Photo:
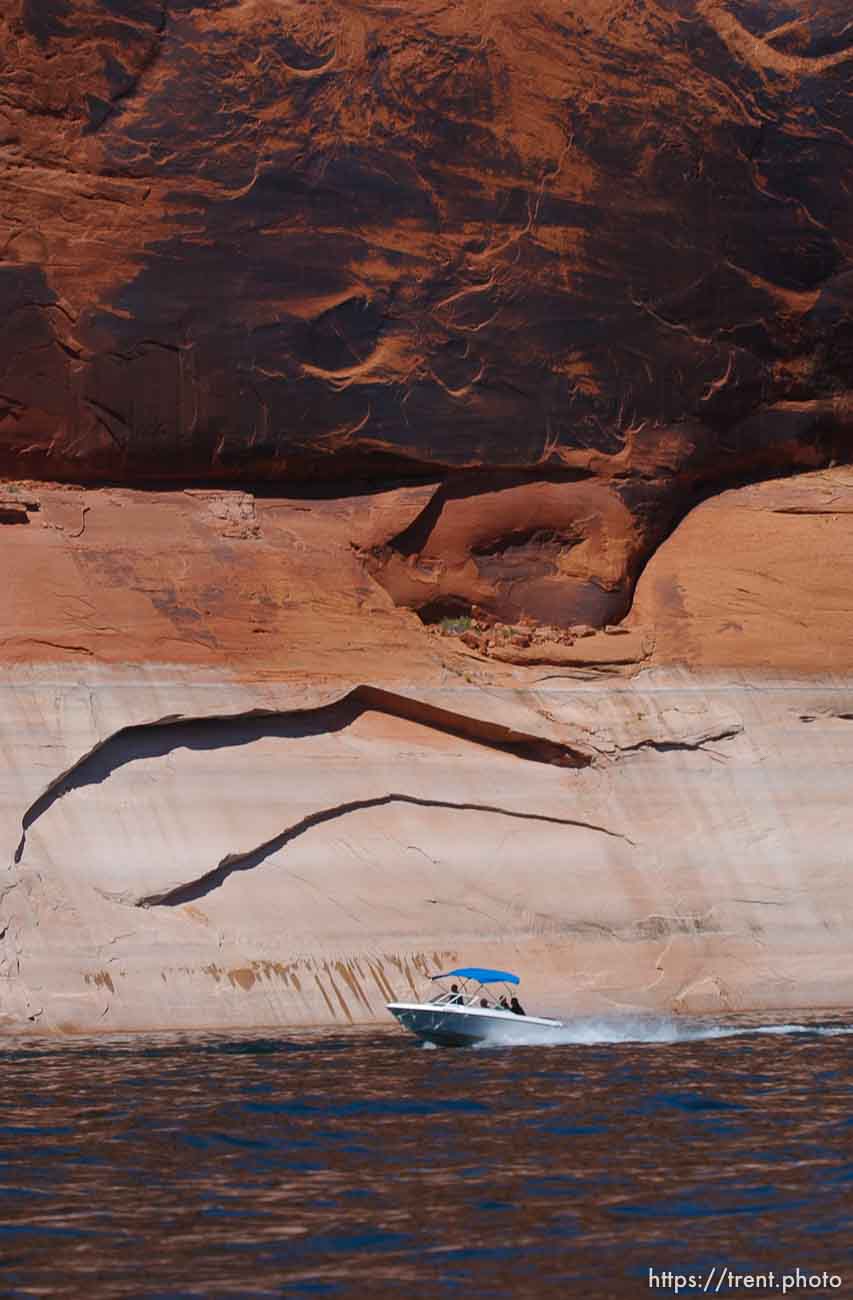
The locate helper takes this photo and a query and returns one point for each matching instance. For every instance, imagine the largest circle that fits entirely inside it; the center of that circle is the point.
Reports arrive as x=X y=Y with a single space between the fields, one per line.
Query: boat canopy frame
x=482 y=974
x=480 y=977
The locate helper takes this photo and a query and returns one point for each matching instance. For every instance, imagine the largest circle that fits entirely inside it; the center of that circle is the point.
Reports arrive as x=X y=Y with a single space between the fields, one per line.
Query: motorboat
x=468 y=1011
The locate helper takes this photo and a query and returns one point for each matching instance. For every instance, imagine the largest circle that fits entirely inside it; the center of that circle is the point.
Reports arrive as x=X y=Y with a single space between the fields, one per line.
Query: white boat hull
x=447 y=1025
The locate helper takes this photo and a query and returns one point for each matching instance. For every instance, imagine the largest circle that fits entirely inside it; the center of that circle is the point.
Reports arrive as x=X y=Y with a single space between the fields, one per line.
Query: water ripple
x=349 y=1164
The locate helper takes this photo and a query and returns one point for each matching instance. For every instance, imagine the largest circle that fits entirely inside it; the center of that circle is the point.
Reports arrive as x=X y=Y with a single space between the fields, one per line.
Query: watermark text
x=723 y=1281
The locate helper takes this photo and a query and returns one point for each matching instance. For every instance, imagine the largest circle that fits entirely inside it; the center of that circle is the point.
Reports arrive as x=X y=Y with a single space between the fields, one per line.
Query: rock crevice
x=194 y=890
x=160 y=736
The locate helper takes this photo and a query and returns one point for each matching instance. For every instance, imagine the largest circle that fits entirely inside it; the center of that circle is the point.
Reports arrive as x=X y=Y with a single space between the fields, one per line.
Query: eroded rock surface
x=549 y=241
x=310 y=864
x=208 y=826
x=325 y=324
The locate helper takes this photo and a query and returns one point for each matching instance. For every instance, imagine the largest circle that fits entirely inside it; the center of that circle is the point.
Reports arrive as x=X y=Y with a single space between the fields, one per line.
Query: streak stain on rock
x=425 y=434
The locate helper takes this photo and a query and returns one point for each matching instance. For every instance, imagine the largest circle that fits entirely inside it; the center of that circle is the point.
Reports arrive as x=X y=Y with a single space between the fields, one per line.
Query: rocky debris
x=598 y=651
x=529 y=643
x=234 y=513
x=15 y=509
x=554 y=635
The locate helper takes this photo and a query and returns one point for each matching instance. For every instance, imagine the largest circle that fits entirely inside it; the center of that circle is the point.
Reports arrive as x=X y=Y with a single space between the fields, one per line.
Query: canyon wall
x=325 y=325
x=240 y=786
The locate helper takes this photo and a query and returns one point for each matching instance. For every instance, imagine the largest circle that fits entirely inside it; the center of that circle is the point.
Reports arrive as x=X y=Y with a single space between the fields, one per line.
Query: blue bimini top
x=480 y=973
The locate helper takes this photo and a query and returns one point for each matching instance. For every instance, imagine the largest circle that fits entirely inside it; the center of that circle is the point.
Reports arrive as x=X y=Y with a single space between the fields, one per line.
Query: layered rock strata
x=509 y=246
x=201 y=833
x=424 y=432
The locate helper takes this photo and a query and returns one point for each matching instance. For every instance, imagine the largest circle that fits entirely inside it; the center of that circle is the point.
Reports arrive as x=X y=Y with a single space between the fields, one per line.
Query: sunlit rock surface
x=597 y=250
x=321 y=323
x=284 y=802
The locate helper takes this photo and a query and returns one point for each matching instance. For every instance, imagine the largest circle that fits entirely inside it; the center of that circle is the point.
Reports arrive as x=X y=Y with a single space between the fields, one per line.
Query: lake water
x=356 y=1164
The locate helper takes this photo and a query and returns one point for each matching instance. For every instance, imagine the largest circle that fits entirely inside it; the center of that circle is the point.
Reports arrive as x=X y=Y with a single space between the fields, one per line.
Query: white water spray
x=651 y=1029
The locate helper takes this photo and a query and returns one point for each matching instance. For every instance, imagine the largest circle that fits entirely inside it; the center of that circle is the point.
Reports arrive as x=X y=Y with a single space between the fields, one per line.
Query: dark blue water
x=358 y=1164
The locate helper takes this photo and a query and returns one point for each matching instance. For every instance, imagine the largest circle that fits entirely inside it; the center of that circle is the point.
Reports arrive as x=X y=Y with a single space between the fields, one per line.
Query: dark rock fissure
x=670 y=746
x=158 y=738
x=232 y=862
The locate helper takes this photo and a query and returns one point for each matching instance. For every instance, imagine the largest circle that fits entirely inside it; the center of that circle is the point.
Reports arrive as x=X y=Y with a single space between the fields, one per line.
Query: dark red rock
x=318 y=240
x=269 y=239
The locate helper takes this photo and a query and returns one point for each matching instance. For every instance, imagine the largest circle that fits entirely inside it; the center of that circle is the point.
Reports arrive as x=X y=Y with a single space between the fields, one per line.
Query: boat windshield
x=475 y=986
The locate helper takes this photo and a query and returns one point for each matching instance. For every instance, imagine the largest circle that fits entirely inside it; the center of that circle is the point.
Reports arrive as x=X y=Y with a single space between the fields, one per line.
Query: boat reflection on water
x=468 y=1011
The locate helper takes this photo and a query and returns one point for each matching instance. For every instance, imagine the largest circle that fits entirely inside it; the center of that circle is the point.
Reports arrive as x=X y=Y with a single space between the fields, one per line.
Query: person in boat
x=516 y=1006
x=483 y=1002
x=504 y=1005
x=455 y=995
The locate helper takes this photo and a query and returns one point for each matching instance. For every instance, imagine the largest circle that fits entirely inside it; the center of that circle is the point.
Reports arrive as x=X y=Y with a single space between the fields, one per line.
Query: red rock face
x=602 y=249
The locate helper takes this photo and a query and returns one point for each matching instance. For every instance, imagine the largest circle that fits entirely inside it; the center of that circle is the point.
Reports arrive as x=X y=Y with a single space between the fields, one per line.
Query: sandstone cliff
x=322 y=322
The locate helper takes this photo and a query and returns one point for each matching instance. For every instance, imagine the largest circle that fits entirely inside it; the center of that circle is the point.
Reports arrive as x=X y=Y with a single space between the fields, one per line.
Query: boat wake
x=655 y=1029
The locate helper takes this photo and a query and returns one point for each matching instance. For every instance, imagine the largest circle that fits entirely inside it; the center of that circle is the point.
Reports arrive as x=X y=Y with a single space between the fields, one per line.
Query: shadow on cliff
x=162 y=737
